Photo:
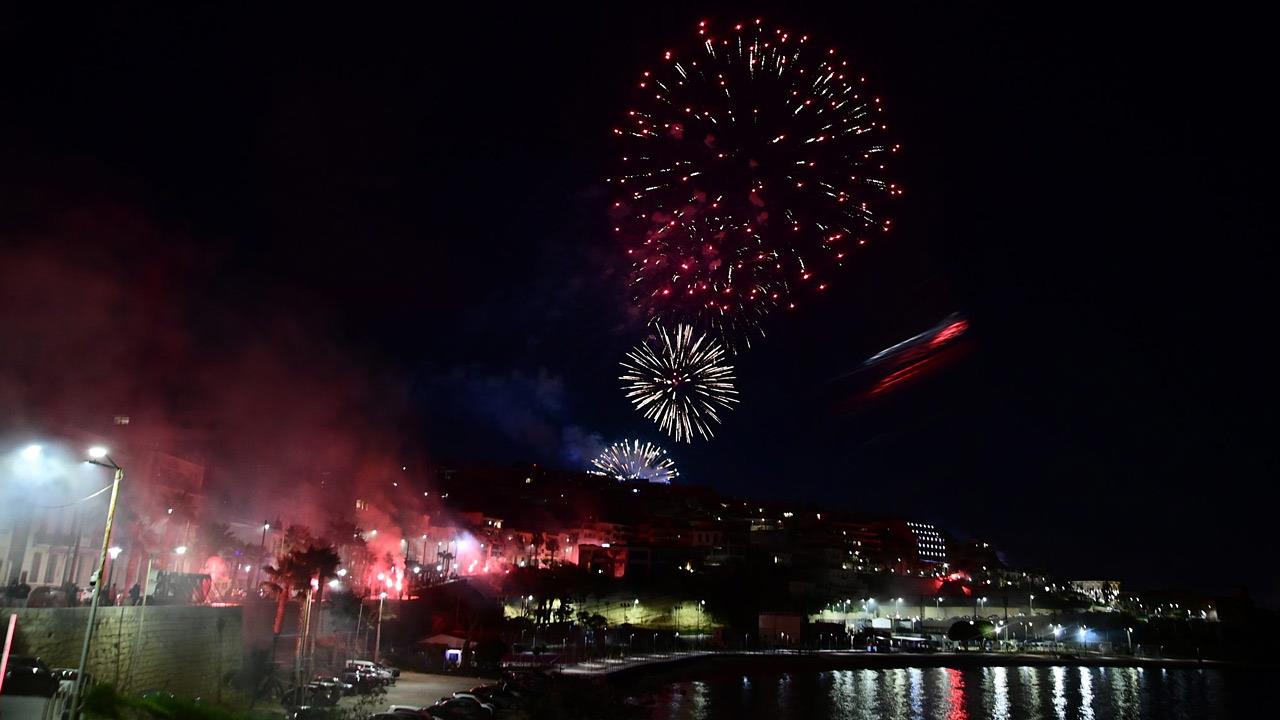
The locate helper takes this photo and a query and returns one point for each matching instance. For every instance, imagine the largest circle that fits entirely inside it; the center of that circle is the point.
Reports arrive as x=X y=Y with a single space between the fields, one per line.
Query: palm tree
x=293 y=572
x=297 y=537
x=215 y=538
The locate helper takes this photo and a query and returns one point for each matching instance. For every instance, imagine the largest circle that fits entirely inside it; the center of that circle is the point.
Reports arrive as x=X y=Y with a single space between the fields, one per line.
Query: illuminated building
x=931 y=546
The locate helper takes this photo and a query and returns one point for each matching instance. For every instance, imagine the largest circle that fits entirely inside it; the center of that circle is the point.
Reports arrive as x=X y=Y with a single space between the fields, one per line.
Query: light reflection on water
x=999 y=693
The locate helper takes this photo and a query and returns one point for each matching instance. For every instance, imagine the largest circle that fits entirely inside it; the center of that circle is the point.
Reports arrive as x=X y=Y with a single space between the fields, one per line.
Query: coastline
x=744 y=663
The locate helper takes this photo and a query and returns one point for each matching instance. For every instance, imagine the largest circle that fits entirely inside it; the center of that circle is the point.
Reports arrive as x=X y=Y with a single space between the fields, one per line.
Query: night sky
x=415 y=199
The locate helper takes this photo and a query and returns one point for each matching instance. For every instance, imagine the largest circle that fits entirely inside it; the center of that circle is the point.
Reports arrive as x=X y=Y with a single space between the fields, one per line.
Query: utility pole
x=377 y=638
x=98 y=454
x=142 y=617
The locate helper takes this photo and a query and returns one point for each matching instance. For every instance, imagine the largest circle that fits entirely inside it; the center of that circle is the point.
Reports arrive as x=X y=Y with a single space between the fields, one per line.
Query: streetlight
x=702 y=617
x=97 y=456
x=113 y=552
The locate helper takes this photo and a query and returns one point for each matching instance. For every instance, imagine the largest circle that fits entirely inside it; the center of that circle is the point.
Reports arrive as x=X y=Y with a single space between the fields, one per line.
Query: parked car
x=496 y=696
x=343 y=686
x=363 y=681
x=455 y=712
x=26 y=675
x=312 y=694
x=531 y=681
x=388 y=675
x=409 y=712
x=463 y=707
x=313 y=713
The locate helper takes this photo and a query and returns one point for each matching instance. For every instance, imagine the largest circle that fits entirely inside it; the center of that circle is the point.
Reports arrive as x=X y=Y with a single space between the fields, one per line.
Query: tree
x=297 y=537
x=488 y=653
x=215 y=538
x=294 y=571
x=535 y=543
x=967 y=631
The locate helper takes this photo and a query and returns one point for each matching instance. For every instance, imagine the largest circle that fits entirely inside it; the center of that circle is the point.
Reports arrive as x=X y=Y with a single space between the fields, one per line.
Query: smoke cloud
x=106 y=314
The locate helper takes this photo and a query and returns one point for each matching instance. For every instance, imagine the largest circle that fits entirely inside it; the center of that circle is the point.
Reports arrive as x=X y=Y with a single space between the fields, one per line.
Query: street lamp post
x=702 y=619
x=262 y=553
x=97 y=456
x=377 y=637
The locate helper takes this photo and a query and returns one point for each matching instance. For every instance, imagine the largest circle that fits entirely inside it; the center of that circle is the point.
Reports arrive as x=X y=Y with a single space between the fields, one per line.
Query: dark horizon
x=390 y=232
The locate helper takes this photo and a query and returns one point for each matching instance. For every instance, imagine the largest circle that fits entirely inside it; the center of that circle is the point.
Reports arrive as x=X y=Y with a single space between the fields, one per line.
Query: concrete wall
x=185 y=650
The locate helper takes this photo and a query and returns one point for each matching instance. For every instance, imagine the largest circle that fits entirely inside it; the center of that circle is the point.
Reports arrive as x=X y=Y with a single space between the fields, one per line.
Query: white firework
x=634 y=460
x=681 y=382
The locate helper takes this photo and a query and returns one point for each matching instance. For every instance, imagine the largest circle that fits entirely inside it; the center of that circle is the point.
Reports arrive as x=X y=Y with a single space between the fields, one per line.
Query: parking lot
x=419 y=689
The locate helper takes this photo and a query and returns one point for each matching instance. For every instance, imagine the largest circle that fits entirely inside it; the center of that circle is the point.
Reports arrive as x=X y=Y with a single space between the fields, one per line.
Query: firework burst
x=634 y=460
x=754 y=164
x=681 y=382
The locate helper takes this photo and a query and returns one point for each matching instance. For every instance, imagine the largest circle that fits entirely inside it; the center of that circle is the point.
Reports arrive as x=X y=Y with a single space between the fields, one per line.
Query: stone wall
x=181 y=649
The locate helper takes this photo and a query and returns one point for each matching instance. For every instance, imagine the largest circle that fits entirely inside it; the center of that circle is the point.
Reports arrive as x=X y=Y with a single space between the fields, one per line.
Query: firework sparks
x=634 y=460
x=753 y=166
x=681 y=382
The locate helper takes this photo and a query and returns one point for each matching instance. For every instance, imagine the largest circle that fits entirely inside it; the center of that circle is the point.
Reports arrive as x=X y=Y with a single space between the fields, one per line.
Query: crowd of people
x=21 y=594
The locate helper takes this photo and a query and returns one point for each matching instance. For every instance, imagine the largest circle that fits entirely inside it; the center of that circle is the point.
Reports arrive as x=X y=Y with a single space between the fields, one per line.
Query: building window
x=35 y=566
x=48 y=571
